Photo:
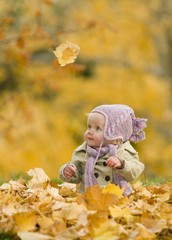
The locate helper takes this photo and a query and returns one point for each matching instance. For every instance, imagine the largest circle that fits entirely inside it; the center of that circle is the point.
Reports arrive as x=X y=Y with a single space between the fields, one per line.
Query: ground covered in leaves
x=42 y=210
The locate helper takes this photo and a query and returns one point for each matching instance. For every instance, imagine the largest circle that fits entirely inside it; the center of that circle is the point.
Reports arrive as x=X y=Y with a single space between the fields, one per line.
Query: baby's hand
x=69 y=171
x=114 y=162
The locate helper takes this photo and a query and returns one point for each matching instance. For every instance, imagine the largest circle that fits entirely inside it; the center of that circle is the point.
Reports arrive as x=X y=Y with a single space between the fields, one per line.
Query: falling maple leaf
x=66 y=53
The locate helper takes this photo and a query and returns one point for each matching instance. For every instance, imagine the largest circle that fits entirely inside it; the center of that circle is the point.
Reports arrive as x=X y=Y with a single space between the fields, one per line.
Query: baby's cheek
x=99 y=140
x=85 y=135
x=100 y=137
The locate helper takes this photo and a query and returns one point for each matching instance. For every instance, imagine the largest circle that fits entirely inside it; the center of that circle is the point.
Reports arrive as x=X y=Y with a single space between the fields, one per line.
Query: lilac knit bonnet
x=120 y=122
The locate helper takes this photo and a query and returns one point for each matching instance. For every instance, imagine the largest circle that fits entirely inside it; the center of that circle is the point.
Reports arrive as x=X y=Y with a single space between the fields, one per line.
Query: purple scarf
x=94 y=154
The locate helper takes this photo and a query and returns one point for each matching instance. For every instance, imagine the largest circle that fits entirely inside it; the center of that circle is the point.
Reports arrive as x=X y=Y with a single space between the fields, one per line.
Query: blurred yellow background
x=125 y=57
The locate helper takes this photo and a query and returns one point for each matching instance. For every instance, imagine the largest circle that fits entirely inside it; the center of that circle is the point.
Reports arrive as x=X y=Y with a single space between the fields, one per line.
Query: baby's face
x=95 y=132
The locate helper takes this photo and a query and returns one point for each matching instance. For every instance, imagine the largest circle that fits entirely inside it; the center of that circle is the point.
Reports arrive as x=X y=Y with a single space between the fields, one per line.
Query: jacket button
x=105 y=164
x=96 y=175
x=107 y=178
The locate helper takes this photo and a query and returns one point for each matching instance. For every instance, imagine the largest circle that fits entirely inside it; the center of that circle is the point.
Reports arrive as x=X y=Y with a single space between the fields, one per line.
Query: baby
x=107 y=155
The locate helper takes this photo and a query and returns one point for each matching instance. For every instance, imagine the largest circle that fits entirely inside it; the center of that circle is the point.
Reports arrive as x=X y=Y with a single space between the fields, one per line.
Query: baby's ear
x=117 y=141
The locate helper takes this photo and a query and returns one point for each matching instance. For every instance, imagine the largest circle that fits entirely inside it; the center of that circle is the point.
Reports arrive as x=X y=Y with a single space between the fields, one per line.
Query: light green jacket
x=131 y=169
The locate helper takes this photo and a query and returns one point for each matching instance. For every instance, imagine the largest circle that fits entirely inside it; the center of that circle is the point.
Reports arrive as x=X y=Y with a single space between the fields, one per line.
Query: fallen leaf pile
x=42 y=210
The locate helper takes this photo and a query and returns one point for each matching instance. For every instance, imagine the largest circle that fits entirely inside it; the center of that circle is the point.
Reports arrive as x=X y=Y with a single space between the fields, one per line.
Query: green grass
x=153 y=181
x=8 y=236
x=22 y=175
x=57 y=180
x=15 y=177
x=2 y=180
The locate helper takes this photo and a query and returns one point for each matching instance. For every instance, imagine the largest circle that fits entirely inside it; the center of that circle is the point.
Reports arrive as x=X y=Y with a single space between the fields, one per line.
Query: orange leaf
x=94 y=199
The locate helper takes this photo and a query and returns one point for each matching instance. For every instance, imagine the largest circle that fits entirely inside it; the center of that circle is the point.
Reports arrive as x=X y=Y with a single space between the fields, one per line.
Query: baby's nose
x=90 y=131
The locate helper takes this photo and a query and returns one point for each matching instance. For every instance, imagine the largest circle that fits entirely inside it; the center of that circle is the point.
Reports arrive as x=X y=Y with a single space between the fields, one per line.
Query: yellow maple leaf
x=108 y=230
x=119 y=212
x=66 y=53
x=25 y=221
x=113 y=189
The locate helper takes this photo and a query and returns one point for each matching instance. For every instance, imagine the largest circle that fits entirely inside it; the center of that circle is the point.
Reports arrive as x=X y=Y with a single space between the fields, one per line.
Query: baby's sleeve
x=131 y=166
x=76 y=161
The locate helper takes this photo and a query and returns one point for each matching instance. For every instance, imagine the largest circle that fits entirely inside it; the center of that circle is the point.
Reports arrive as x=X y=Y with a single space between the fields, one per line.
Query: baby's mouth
x=89 y=138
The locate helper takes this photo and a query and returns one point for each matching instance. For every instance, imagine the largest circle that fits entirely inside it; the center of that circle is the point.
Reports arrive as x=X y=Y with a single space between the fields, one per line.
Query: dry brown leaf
x=38 y=177
x=154 y=225
x=73 y=211
x=68 y=234
x=59 y=205
x=67 y=189
x=8 y=209
x=54 y=193
x=13 y=185
x=143 y=233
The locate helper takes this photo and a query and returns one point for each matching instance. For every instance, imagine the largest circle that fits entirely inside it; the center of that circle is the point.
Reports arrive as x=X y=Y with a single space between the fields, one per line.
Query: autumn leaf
x=141 y=190
x=153 y=225
x=8 y=209
x=38 y=177
x=143 y=233
x=13 y=185
x=73 y=211
x=108 y=230
x=94 y=199
x=25 y=221
x=116 y=211
x=67 y=189
x=113 y=189
x=32 y=235
x=66 y=53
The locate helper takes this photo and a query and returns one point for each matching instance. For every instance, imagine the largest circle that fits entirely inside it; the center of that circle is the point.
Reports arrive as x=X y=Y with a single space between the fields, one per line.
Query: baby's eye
x=98 y=129
x=89 y=126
